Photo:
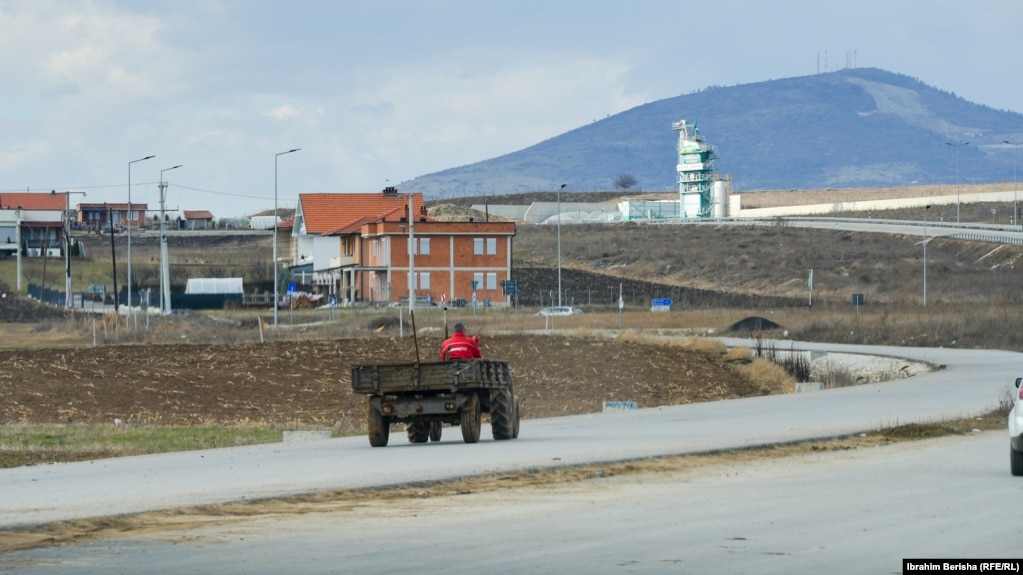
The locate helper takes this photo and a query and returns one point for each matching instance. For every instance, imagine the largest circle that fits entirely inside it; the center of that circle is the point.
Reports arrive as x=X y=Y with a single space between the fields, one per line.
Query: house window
x=424 y=280
x=491 y=246
x=477 y=246
x=492 y=281
x=424 y=246
x=477 y=279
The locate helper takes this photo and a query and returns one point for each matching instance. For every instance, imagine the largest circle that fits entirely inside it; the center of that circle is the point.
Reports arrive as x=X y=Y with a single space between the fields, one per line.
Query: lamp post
x=17 y=239
x=957 y=146
x=129 y=229
x=559 y=243
x=927 y=207
x=1015 y=179
x=277 y=155
x=165 y=301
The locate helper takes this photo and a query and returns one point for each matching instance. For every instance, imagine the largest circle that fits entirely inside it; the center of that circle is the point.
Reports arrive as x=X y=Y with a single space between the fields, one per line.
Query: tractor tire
x=502 y=414
x=378 y=428
x=470 y=419
x=418 y=431
x=516 y=419
x=436 y=428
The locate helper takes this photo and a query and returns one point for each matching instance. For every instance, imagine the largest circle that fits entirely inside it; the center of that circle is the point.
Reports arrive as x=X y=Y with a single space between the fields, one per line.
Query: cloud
x=459 y=109
x=284 y=112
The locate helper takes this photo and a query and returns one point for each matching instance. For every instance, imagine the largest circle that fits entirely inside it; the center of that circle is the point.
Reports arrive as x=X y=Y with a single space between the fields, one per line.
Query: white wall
x=835 y=208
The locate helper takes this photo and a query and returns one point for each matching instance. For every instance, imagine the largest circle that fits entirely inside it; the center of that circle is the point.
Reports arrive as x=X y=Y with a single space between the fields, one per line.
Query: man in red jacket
x=460 y=346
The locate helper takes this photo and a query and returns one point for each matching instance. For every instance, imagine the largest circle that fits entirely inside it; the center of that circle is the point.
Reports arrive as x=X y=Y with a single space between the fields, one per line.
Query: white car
x=560 y=310
x=1016 y=430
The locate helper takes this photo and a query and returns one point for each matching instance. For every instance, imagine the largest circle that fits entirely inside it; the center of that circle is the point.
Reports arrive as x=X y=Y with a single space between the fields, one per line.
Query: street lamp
x=165 y=301
x=957 y=146
x=129 y=229
x=1015 y=190
x=275 y=229
x=559 y=243
x=925 y=253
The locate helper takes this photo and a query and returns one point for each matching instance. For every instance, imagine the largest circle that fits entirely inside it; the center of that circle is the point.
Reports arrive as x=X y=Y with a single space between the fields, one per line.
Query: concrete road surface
x=859 y=511
x=856 y=512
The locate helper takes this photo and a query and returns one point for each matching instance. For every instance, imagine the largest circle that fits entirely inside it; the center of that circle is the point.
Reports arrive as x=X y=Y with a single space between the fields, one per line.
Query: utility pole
x=165 y=299
x=113 y=259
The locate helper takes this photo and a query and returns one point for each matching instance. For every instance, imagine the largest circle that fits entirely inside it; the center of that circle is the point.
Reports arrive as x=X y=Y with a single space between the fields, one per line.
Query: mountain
x=851 y=128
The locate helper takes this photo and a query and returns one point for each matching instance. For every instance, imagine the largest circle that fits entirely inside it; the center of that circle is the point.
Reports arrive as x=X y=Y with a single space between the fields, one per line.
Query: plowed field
x=309 y=383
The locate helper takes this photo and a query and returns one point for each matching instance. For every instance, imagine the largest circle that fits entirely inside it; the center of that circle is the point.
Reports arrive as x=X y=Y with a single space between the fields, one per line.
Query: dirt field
x=309 y=383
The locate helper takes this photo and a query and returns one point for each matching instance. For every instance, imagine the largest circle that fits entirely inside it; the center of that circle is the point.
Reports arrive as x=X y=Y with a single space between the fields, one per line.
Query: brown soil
x=308 y=383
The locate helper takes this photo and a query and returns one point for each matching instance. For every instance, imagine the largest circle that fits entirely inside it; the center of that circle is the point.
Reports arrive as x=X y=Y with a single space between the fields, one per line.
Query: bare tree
x=624 y=181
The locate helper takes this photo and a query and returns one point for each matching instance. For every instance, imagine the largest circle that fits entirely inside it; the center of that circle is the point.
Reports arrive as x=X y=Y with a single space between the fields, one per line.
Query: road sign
x=857 y=299
x=663 y=302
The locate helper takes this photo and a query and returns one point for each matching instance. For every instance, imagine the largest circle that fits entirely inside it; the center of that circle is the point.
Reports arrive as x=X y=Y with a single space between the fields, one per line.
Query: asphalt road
x=854 y=512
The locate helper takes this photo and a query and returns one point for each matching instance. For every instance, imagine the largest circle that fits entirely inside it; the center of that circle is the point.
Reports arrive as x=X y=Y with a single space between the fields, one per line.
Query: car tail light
x=1021 y=393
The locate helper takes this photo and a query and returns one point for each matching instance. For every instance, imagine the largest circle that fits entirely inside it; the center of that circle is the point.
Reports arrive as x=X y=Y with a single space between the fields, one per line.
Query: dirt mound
x=754 y=323
x=19 y=309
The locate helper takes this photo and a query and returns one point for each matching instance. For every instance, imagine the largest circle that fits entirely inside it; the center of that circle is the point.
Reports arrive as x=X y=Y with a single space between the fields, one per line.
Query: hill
x=857 y=127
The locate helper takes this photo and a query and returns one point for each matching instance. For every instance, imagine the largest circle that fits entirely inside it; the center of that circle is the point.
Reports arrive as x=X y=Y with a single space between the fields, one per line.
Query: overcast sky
x=376 y=93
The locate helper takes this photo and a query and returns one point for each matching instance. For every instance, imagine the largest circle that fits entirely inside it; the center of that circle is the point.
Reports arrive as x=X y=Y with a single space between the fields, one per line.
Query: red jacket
x=459 y=346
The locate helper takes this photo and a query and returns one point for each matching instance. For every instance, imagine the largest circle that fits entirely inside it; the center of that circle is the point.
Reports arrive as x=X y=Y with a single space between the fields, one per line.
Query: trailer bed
x=440 y=376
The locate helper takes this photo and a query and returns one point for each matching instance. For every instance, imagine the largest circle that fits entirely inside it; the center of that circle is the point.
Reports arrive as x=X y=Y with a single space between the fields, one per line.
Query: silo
x=719 y=198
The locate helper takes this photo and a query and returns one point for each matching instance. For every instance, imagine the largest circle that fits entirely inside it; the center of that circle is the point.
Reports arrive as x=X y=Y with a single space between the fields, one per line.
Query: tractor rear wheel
x=515 y=431
x=502 y=414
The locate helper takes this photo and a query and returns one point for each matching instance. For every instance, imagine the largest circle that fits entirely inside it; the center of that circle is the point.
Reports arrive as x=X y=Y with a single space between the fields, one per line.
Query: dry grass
x=966 y=325
x=767 y=374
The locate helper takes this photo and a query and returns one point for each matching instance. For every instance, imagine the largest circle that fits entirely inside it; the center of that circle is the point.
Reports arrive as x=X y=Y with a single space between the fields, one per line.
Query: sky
x=377 y=93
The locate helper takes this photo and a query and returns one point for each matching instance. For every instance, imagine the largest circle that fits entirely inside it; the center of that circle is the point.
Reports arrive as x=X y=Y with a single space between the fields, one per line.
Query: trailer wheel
x=502 y=414
x=378 y=428
x=436 y=427
x=470 y=416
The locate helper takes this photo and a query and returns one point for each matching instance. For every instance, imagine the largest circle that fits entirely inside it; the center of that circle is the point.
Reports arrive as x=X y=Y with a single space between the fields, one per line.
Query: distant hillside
x=851 y=128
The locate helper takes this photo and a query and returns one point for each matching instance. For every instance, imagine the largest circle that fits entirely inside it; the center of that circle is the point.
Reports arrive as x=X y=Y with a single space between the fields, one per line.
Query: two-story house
x=357 y=245
x=450 y=261
x=41 y=217
x=318 y=217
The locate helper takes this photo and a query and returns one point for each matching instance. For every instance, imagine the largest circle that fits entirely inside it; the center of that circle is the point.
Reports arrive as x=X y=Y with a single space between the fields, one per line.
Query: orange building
x=451 y=261
x=357 y=244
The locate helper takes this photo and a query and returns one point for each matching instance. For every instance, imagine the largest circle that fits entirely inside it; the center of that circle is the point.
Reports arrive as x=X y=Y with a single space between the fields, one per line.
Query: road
x=850 y=512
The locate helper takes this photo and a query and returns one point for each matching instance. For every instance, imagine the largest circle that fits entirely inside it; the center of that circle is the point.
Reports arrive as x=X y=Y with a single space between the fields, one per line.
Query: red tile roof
x=327 y=213
x=355 y=226
x=32 y=201
x=198 y=215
